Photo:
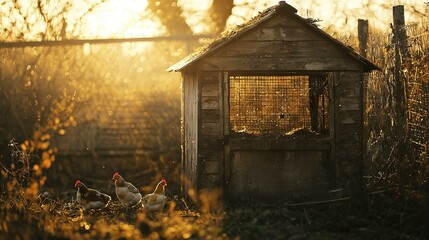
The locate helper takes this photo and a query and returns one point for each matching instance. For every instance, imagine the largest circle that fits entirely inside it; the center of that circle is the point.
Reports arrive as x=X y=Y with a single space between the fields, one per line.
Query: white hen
x=126 y=192
x=155 y=201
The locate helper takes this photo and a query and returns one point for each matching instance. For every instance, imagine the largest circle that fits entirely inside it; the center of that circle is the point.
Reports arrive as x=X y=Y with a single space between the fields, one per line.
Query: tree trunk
x=219 y=13
x=170 y=15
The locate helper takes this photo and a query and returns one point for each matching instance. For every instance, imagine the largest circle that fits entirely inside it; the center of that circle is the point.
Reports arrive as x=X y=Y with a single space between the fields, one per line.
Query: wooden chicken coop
x=273 y=109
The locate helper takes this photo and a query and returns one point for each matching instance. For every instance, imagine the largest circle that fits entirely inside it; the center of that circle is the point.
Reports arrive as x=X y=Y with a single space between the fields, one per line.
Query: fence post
x=363 y=48
x=363 y=36
x=400 y=33
x=398 y=28
x=400 y=127
x=399 y=43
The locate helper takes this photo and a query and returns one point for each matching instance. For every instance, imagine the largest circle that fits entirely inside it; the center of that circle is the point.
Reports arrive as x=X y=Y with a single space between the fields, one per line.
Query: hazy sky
x=342 y=14
x=129 y=18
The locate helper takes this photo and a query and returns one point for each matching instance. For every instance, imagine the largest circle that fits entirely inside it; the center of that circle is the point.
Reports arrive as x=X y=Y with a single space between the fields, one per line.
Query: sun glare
x=130 y=18
x=339 y=16
x=120 y=19
x=342 y=16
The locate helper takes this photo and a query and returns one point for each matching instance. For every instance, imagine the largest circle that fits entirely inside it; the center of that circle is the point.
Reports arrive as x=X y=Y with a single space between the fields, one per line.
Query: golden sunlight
x=120 y=19
x=342 y=16
x=337 y=16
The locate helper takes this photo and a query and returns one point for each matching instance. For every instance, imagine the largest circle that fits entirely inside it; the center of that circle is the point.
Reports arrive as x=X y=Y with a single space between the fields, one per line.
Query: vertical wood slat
x=222 y=127
x=349 y=141
x=182 y=136
x=191 y=100
x=197 y=104
x=333 y=82
x=211 y=134
x=226 y=168
x=199 y=125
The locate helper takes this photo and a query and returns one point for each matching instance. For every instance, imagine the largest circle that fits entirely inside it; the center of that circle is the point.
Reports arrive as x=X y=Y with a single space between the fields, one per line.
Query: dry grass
x=385 y=218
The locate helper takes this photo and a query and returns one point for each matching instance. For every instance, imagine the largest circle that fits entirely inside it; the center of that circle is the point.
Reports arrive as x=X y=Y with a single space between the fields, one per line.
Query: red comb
x=77 y=182
x=164 y=181
x=116 y=174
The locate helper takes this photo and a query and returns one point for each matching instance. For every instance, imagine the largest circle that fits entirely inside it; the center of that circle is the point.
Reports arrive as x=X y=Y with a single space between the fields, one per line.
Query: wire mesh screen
x=277 y=105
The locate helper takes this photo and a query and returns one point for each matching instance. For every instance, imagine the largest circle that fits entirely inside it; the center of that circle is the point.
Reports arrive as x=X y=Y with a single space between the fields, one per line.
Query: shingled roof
x=281 y=8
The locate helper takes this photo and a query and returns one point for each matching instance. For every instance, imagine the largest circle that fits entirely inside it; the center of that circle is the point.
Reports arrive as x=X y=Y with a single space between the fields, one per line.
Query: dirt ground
x=384 y=218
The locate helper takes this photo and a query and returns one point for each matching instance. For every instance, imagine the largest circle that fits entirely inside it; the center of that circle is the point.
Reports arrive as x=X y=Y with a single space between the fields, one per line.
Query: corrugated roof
x=282 y=7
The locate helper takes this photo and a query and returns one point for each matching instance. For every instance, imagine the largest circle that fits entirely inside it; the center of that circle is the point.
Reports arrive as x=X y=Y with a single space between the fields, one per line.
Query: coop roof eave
x=227 y=37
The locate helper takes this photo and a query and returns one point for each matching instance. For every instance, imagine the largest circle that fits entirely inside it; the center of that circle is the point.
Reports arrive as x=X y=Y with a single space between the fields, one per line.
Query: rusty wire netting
x=380 y=88
x=417 y=78
x=278 y=105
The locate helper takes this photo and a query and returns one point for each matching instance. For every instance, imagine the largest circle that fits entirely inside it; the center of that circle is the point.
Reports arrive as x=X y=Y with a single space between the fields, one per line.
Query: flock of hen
x=126 y=192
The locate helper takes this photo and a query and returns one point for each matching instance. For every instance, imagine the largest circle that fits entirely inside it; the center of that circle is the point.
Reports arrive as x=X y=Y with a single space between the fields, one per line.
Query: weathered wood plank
x=209 y=102
x=350 y=137
x=210 y=90
x=350 y=77
x=278 y=49
x=211 y=143
x=209 y=84
x=210 y=116
x=210 y=167
x=280 y=144
x=211 y=155
x=352 y=89
x=350 y=103
x=281 y=31
x=349 y=149
x=277 y=64
x=348 y=128
x=190 y=117
x=208 y=77
x=211 y=129
x=333 y=81
x=280 y=21
x=225 y=173
x=296 y=174
x=350 y=117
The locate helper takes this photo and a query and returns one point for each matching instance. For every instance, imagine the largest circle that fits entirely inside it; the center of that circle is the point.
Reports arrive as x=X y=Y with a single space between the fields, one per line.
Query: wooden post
x=398 y=41
x=363 y=36
x=363 y=48
x=400 y=33
x=400 y=127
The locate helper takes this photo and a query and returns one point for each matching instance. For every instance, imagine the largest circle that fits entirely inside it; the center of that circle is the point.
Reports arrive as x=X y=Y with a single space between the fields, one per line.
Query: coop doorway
x=279 y=134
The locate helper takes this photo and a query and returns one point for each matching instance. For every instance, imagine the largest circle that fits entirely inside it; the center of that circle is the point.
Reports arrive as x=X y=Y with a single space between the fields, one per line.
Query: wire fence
x=381 y=97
